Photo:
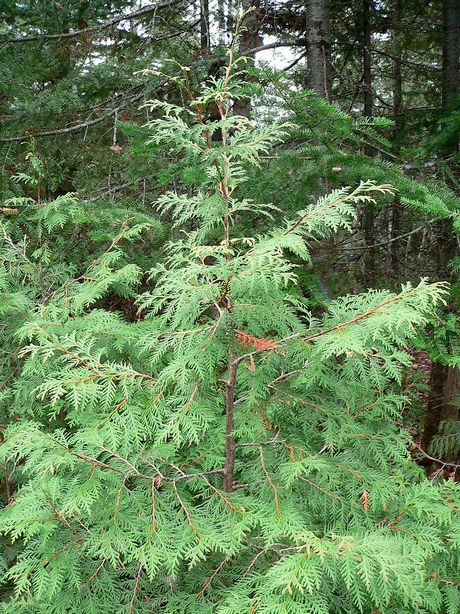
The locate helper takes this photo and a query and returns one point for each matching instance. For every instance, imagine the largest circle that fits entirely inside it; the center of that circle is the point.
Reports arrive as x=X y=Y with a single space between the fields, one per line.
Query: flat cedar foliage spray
x=228 y=452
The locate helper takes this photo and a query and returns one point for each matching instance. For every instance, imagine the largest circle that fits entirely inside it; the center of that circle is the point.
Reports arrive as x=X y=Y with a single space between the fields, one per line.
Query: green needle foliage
x=229 y=451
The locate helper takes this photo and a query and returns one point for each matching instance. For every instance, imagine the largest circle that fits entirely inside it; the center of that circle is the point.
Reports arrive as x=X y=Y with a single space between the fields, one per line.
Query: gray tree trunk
x=250 y=39
x=397 y=118
x=367 y=60
x=204 y=25
x=368 y=216
x=319 y=48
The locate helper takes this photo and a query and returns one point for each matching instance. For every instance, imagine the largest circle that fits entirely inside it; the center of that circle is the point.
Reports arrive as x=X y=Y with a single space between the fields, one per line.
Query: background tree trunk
x=450 y=50
x=250 y=39
x=319 y=48
x=367 y=60
x=368 y=213
x=397 y=118
x=433 y=414
x=204 y=25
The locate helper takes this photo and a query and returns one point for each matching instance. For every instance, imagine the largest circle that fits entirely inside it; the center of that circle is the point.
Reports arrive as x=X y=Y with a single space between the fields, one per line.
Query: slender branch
x=154 y=520
x=326 y=331
x=100 y=566
x=229 y=438
x=230 y=444
x=294 y=62
x=117 y=407
x=224 y=499
x=299 y=43
x=404 y=61
x=58 y=552
x=253 y=562
x=189 y=476
x=258 y=444
x=7 y=483
x=406 y=234
x=186 y=512
x=74 y=128
x=158 y=478
x=328 y=494
x=436 y=460
x=207 y=582
x=136 y=586
x=270 y=481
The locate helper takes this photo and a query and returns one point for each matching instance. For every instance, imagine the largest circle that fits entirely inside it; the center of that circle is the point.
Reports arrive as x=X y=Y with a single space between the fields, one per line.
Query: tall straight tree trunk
x=367 y=60
x=204 y=25
x=397 y=72
x=221 y=20
x=319 y=77
x=319 y=48
x=397 y=118
x=450 y=50
x=368 y=213
x=250 y=39
x=433 y=414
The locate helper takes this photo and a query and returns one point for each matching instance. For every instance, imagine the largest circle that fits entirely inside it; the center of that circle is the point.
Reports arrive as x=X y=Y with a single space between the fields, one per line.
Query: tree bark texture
x=368 y=213
x=204 y=25
x=450 y=50
x=250 y=39
x=319 y=48
x=397 y=118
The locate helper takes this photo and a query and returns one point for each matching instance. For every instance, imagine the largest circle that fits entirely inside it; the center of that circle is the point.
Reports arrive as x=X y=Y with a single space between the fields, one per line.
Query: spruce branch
x=146 y=10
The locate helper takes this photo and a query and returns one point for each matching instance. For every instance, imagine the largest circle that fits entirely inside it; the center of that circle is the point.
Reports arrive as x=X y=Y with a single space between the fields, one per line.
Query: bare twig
x=437 y=460
x=229 y=438
x=186 y=512
x=301 y=42
x=270 y=481
x=328 y=494
x=136 y=586
x=406 y=234
x=207 y=582
x=75 y=127
x=100 y=566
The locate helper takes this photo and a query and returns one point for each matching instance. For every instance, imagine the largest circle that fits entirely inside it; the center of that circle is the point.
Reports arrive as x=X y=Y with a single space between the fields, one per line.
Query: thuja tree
x=228 y=452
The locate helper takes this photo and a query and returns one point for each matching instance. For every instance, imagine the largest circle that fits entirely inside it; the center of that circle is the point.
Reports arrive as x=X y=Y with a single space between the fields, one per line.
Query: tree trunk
x=221 y=21
x=319 y=48
x=368 y=213
x=250 y=39
x=204 y=25
x=397 y=73
x=435 y=403
x=450 y=50
x=397 y=118
x=450 y=407
x=367 y=66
